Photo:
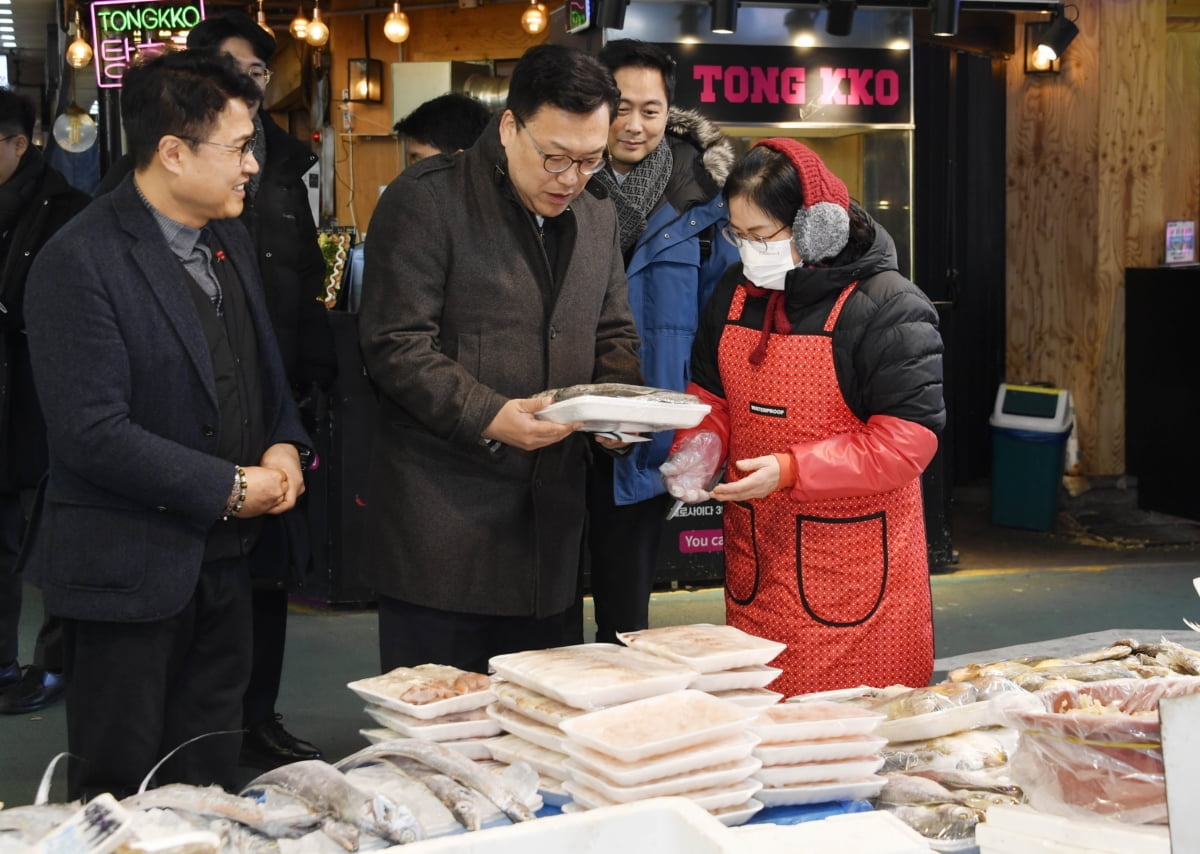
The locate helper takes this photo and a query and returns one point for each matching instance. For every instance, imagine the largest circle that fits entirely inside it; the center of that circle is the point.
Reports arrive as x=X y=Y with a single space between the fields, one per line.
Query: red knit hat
x=822 y=226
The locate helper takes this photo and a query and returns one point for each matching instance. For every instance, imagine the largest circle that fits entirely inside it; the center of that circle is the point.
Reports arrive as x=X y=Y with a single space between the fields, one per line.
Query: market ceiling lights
x=396 y=28
x=724 y=16
x=535 y=18
x=1055 y=38
x=943 y=17
x=318 y=30
x=299 y=25
x=840 y=19
x=79 y=52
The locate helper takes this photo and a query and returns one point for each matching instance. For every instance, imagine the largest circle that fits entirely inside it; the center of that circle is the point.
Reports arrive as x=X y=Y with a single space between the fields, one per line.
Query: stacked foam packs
x=539 y=691
x=434 y=702
x=687 y=743
x=817 y=751
x=732 y=665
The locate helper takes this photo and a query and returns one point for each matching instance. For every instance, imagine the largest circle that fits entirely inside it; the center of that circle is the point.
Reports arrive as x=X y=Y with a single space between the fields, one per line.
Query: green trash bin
x=1030 y=426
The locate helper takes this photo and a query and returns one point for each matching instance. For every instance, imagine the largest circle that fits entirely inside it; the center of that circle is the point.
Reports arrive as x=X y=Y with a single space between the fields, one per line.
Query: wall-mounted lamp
x=1046 y=41
x=840 y=18
x=535 y=18
x=612 y=14
x=943 y=17
x=261 y=20
x=396 y=28
x=79 y=52
x=365 y=80
x=299 y=25
x=318 y=30
x=724 y=16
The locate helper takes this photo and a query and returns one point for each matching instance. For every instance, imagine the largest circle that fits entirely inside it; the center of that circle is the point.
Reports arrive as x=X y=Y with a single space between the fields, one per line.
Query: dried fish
x=215 y=802
x=909 y=789
x=447 y=762
x=454 y=795
x=943 y=821
x=323 y=788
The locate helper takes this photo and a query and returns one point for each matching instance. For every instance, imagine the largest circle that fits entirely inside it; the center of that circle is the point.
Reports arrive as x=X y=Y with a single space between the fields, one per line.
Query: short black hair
x=211 y=32
x=632 y=53
x=559 y=76
x=448 y=122
x=180 y=93
x=17 y=114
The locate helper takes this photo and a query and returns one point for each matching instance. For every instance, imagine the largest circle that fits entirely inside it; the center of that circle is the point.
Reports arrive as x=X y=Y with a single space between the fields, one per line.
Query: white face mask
x=767 y=269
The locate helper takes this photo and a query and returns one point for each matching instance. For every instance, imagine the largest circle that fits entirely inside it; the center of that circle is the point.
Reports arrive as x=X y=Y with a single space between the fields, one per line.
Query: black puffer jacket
x=886 y=348
x=23 y=455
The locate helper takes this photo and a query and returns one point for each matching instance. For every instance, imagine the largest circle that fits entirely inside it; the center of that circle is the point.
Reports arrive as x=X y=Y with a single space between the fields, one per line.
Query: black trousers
x=623 y=553
x=48 y=648
x=136 y=691
x=269 y=608
x=411 y=634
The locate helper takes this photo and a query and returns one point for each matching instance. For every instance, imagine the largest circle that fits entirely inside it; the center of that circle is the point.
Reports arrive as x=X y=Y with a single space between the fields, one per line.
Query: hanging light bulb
x=396 y=28
x=79 y=52
x=534 y=18
x=318 y=30
x=261 y=19
x=299 y=25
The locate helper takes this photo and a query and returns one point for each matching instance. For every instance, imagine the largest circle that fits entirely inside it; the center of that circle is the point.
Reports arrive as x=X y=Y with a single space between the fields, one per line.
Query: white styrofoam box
x=662 y=825
x=936 y=724
x=1009 y=825
x=872 y=832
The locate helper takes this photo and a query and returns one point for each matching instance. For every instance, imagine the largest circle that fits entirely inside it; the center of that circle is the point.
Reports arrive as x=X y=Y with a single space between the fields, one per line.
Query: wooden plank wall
x=370 y=156
x=1090 y=154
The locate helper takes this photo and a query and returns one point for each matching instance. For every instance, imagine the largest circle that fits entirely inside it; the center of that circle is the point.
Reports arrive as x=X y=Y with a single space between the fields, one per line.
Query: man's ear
x=170 y=152
x=20 y=144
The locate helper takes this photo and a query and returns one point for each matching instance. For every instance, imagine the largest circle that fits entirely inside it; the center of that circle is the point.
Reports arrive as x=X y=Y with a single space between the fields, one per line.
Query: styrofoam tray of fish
x=426 y=691
x=738 y=678
x=820 y=793
x=551 y=738
x=658 y=725
x=820 y=750
x=738 y=813
x=710 y=799
x=531 y=704
x=725 y=774
x=663 y=825
x=819 y=719
x=471 y=724
x=472 y=748
x=624 y=414
x=593 y=676
x=705 y=647
x=939 y=723
x=838 y=771
x=1098 y=835
x=870 y=832
x=553 y=793
x=513 y=748
x=751 y=698
x=841 y=695
x=733 y=748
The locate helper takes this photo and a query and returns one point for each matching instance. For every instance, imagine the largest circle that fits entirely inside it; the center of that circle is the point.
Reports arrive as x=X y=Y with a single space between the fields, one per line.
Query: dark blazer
x=126 y=384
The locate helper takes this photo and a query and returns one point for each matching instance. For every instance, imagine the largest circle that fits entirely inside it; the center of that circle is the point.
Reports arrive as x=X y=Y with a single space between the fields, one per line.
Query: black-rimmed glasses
x=737 y=238
x=556 y=164
x=245 y=148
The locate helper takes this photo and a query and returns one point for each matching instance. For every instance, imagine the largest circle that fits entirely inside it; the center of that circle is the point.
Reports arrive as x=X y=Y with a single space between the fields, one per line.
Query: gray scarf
x=637 y=196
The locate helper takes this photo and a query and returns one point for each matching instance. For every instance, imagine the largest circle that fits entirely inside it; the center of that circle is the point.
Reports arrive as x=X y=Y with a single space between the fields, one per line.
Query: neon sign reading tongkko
x=128 y=29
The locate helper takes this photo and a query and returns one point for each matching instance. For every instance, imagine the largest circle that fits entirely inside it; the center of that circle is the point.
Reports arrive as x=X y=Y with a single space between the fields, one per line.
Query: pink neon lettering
x=708 y=74
x=831 y=90
x=791 y=85
x=887 y=87
x=860 y=78
x=764 y=85
x=737 y=84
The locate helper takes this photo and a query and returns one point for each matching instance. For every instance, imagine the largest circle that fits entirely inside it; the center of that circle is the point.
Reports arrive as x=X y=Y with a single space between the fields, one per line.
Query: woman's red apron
x=843 y=582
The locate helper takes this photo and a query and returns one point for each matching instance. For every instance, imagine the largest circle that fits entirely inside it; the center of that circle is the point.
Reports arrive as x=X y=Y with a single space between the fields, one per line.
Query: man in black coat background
x=35 y=202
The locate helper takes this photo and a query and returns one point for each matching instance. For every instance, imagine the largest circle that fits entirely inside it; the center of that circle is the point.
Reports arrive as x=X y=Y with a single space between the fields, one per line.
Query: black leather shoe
x=37 y=689
x=10 y=675
x=268 y=745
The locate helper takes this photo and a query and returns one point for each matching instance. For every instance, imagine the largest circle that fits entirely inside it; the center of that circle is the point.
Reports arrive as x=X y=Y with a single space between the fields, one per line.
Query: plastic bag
x=688 y=473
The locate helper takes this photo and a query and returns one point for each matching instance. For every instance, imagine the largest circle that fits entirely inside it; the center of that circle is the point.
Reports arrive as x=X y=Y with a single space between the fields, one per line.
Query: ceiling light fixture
x=1058 y=34
x=261 y=20
x=318 y=30
x=839 y=20
x=535 y=18
x=724 y=16
x=79 y=52
x=943 y=17
x=612 y=14
x=299 y=25
x=396 y=28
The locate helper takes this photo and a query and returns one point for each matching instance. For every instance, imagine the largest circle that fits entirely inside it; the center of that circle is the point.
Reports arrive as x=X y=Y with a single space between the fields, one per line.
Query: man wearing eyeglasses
x=172 y=430
x=491 y=276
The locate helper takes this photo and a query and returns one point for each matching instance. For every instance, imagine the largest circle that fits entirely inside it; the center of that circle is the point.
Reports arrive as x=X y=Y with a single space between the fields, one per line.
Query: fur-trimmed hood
x=717 y=152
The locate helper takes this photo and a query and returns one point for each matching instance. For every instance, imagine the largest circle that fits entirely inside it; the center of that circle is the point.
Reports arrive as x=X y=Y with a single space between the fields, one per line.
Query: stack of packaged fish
x=538 y=691
x=731 y=664
x=817 y=751
x=433 y=702
x=391 y=793
x=687 y=743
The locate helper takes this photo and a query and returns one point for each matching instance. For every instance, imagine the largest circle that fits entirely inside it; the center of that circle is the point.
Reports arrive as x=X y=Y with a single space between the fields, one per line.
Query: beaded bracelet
x=237 y=495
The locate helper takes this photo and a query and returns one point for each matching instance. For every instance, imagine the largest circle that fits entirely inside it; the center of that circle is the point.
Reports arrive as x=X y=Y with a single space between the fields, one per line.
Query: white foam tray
x=548 y=737
x=710 y=799
x=739 y=678
x=663 y=826
x=705 y=647
x=472 y=724
x=738 y=813
x=817 y=719
x=513 y=748
x=820 y=750
x=939 y=723
x=425 y=711
x=658 y=725
x=690 y=759
x=531 y=704
x=624 y=414
x=469 y=748
x=819 y=772
x=751 y=698
x=713 y=777
x=819 y=793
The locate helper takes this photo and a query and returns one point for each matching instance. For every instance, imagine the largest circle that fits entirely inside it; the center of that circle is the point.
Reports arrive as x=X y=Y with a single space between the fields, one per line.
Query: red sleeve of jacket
x=717 y=420
x=887 y=455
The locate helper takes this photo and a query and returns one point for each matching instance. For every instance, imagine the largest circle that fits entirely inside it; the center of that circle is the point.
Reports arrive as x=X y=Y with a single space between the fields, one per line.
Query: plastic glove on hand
x=688 y=473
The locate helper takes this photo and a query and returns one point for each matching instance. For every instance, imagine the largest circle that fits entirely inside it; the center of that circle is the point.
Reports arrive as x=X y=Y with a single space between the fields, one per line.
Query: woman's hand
x=762 y=480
